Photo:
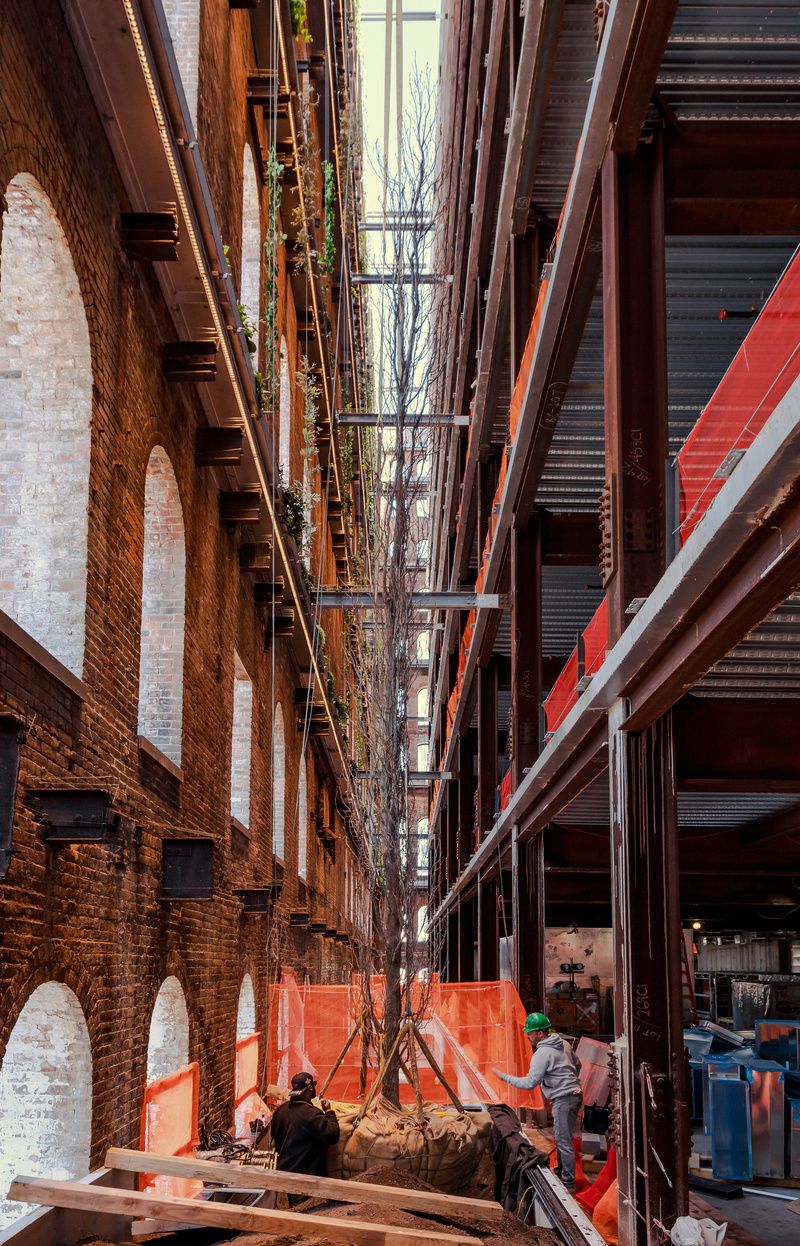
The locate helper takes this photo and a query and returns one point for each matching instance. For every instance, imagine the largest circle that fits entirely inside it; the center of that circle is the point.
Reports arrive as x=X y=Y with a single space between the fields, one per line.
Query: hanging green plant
x=249 y=331
x=274 y=237
x=328 y=257
x=299 y=12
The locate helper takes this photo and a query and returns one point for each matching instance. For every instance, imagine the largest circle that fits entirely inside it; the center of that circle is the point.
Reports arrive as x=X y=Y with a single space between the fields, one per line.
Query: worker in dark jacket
x=302 y=1132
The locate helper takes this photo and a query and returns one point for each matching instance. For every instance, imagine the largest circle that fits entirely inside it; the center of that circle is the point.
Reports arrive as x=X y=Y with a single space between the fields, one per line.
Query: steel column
x=527 y=922
x=466 y=798
x=526 y=647
x=488 y=968
x=651 y=1112
x=635 y=349
x=466 y=940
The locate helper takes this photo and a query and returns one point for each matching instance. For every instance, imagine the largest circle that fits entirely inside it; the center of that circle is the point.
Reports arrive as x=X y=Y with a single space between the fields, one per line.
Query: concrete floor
x=766 y=1218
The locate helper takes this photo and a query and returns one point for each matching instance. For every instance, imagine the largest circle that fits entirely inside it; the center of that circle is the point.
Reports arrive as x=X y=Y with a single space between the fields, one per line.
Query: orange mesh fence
x=764 y=367
x=564 y=692
x=247 y=1102
x=470 y=1027
x=169 y=1125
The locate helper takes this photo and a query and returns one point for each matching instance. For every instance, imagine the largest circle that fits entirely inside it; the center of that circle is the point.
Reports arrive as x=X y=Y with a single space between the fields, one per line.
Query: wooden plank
x=295 y=1183
x=222 y=1215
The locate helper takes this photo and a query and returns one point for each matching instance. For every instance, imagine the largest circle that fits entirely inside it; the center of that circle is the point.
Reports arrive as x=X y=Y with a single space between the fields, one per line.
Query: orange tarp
x=246 y=1100
x=469 y=1026
x=169 y=1125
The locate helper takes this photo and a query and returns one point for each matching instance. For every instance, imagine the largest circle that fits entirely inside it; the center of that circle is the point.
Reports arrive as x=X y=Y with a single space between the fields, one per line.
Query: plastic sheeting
x=470 y=1027
x=169 y=1125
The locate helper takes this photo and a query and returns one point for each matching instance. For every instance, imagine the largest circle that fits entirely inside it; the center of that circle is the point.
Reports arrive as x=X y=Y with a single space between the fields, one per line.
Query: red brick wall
x=76 y=914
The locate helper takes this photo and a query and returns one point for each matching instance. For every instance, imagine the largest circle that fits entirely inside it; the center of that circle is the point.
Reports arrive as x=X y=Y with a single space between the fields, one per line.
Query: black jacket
x=302 y=1135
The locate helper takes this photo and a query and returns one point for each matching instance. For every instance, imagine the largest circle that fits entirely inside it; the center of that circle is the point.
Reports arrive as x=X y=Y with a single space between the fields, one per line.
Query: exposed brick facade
x=79 y=915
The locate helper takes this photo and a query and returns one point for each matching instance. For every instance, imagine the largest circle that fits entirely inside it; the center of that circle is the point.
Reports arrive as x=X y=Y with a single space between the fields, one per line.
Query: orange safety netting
x=766 y=364
x=564 y=693
x=470 y=1027
x=247 y=1102
x=169 y=1125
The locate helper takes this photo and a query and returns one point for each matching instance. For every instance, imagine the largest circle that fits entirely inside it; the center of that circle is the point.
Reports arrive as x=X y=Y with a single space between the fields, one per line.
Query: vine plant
x=299 y=14
x=328 y=258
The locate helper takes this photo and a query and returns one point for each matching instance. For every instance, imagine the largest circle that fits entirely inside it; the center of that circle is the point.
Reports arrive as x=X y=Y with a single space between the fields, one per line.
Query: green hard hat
x=535 y=1021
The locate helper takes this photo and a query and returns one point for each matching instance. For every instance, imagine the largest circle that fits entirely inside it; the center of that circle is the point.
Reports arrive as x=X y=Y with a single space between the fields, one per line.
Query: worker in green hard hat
x=555 y=1067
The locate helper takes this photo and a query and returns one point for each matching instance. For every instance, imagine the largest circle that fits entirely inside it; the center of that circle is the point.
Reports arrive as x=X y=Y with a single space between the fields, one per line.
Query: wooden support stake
x=220 y=1215
x=245 y=1176
x=339 y=1059
x=429 y=1056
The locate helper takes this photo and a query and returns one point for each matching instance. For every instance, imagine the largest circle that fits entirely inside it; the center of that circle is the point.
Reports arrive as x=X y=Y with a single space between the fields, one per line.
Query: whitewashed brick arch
x=45 y=1094
x=278 y=784
x=183 y=21
x=45 y=427
x=163 y=609
x=285 y=427
x=246 y=1012
x=168 y=1041
x=250 y=289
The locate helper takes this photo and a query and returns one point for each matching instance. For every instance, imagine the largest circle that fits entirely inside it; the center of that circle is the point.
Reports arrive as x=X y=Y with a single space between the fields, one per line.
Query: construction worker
x=302 y=1132
x=555 y=1067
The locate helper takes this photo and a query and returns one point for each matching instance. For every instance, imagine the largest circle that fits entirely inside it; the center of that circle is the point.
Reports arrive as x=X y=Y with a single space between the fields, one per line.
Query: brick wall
x=86 y=918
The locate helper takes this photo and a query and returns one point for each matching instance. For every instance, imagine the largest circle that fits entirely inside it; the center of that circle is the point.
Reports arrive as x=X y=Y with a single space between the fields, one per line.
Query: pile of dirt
x=481 y=1183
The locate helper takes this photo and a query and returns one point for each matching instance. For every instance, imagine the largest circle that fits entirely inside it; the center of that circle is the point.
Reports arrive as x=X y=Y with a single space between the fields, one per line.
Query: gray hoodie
x=554 y=1067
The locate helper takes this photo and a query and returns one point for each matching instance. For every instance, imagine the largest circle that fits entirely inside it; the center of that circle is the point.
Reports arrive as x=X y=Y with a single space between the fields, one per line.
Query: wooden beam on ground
x=249 y=1177
x=221 y=1215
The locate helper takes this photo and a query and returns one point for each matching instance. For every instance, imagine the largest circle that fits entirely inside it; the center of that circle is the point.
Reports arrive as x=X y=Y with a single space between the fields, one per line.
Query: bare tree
x=408 y=315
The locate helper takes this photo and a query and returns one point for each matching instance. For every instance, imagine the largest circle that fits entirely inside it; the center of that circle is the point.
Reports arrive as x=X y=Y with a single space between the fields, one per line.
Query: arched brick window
x=250 y=288
x=45 y=1093
x=285 y=427
x=183 y=20
x=45 y=433
x=168 y=1042
x=163 y=596
x=246 y=1012
x=241 y=743
x=302 y=821
x=278 y=784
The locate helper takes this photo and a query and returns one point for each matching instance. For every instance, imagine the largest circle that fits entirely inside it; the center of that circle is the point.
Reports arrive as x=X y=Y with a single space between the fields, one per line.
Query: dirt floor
x=490 y=1229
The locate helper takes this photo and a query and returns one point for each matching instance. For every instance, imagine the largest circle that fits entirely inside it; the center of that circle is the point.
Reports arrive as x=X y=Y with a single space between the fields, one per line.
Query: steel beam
x=404 y=279
x=526 y=648
x=466 y=940
x=488 y=964
x=369 y=419
x=423 y=599
x=487 y=747
x=650 y=1105
x=633 y=553
x=528 y=928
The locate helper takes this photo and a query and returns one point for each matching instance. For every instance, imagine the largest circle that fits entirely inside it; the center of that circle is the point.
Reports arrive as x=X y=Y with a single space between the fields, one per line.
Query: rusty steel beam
x=527 y=921
x=487 y=747
x=488 y=964
x=651 y=1117
x=748 y=745
x=635 y=373
x=570 y=540
x=526 y=648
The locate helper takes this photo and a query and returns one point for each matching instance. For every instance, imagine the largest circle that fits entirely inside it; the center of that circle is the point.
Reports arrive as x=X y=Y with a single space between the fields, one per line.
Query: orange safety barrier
x=564 y=693
x=505 y=790
x=247 y=1102
x=169 y=1125
x=470 y=1028
x=764 y=367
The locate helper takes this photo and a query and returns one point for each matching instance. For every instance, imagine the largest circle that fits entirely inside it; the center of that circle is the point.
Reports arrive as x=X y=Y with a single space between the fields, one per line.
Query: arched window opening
x=302 y=822
x=183 y=20
x=46 y=404
x=246 y=1012
x=423 y=830
x=45 y=1094
x=168 y=1044
x=278 y=784
x=422 y=703
x=250 y=288
x=285 y=426
x=241 y=743
x=163 y=607
x=422 y=924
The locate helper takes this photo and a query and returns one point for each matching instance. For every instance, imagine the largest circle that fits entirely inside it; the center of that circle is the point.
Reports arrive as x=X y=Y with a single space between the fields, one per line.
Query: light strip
x=211 y=296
